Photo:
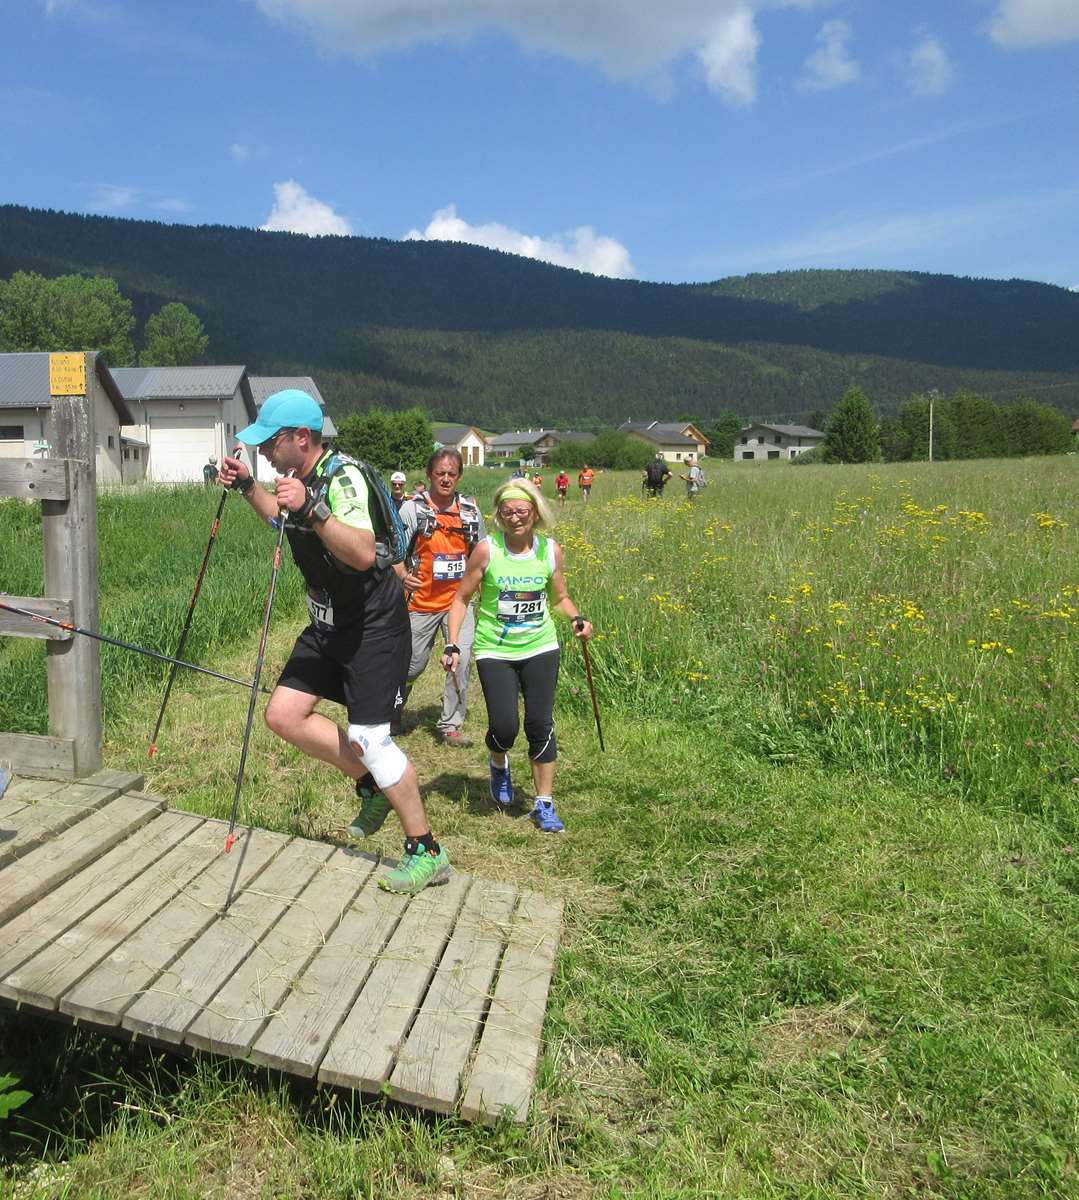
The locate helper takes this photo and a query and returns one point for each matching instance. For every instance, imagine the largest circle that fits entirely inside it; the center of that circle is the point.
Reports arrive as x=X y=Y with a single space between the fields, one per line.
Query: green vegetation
x=388 y=441
x=492 y=339
x=852 y=434
x=174 y=338
x=821 y=889
x=70 y=312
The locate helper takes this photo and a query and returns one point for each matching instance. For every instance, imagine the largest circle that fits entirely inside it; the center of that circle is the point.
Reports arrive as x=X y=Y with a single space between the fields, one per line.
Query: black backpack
x=655 y=472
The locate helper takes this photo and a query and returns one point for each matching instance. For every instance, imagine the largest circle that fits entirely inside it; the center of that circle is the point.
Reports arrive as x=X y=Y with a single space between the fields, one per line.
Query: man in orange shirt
x=584 y=481
x=442 y=528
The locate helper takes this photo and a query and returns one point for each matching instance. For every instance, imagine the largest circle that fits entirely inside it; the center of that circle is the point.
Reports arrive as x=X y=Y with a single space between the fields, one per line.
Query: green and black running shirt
x=339 y=596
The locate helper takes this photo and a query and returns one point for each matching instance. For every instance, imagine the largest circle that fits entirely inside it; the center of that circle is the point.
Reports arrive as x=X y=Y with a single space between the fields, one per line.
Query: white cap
x=398 y=477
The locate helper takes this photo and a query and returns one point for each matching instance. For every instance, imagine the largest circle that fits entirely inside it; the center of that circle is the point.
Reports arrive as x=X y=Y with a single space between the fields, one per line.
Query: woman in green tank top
x=518 y=572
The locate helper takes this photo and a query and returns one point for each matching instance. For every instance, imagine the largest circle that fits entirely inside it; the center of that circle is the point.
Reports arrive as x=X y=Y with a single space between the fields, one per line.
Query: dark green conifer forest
x=478 y=336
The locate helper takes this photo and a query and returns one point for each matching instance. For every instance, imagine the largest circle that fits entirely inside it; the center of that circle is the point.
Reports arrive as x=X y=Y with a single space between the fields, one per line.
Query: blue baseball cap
x=289 y=409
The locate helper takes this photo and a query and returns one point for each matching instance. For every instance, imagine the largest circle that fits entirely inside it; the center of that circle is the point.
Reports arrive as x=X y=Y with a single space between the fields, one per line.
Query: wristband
x=243 y=486
x=450 y=648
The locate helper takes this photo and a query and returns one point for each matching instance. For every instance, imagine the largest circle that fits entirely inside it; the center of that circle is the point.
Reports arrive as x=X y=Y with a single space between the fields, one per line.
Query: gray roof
x=660 y=434
x=24 y=383
x=787 y=430
x=570 y=435
x=450 y=435
x=264 y=386
x=184 y=383
x=518 y=437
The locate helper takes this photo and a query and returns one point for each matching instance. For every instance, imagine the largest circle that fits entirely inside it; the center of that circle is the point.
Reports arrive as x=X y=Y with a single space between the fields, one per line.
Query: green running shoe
x=374 y=808
x=415 y=871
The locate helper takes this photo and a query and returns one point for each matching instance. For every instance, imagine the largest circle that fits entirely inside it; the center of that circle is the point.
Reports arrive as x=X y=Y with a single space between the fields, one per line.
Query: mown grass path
x=818 y=949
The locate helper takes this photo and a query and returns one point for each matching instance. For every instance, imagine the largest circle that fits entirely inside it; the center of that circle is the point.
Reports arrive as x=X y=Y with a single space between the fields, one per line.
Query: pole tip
x=228 y=842
x=152 y=751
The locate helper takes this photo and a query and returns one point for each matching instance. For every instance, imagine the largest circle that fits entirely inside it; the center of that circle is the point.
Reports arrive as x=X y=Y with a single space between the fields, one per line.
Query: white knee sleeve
x=381 y=757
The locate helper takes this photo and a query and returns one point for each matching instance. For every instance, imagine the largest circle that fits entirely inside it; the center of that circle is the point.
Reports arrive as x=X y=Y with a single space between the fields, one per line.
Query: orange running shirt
x=585 y=478
x=442 y=559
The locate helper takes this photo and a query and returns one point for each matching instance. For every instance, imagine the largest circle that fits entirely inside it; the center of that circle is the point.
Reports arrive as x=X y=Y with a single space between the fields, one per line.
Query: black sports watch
x=243 y=486
x=450 y=648
x=319 y=511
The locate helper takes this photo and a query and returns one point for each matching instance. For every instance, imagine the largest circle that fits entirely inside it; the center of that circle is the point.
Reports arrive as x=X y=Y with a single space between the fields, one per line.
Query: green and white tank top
x=514 y=617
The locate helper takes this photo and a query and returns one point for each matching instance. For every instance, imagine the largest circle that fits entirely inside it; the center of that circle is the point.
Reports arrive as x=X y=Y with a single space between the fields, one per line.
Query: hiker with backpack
x=656 y=475
x=442 y=527
x=343 y=535
x=519 y=575
x=694 y=477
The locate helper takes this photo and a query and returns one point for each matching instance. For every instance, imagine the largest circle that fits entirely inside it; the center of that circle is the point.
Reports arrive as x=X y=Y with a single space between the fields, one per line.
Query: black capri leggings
x=502 y=683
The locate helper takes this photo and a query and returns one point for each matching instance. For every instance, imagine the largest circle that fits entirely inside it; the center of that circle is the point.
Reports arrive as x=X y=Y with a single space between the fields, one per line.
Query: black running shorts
x=364 y=673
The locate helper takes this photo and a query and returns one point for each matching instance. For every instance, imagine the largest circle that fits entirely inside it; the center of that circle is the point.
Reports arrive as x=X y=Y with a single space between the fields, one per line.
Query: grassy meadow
x=822 y=901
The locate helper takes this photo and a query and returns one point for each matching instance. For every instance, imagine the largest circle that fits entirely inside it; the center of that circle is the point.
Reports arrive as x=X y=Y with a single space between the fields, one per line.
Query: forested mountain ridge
x=496 y=339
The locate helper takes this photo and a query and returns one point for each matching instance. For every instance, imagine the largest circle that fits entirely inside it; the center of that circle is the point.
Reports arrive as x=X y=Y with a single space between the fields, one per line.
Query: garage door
x=179 y=448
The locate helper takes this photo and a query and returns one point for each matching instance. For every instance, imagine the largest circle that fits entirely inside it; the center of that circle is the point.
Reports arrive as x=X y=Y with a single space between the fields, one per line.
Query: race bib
x=448 y=566
x=521 y=608
x=320 y=606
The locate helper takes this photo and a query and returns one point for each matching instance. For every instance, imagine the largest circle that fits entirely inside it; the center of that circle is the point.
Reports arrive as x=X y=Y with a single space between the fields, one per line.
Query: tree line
x=80 y=312
x=963 y=426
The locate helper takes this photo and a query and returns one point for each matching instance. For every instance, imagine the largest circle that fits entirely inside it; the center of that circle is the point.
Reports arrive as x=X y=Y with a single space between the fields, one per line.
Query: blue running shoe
x=501 y=785
x=546 y=818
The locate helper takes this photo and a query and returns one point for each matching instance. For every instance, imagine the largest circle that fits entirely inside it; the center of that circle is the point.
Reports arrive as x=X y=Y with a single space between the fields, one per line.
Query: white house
x=674 y=440
x=184 y=415
x=25 y=407
x=264 y=386
x=466 y=439
x=763 y=442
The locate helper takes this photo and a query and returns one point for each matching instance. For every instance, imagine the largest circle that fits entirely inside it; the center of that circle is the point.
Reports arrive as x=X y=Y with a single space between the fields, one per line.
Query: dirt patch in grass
x=814 y=1030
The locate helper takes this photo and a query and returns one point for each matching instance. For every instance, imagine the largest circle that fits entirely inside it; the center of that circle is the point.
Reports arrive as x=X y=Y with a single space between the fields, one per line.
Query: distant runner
x=584 y=481
x=521 y=581
x=561 y=484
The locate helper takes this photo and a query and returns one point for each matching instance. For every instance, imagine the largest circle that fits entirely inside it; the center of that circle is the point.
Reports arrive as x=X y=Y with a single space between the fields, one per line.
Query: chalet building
x=466 y=439
x=762 y=442
x=183 y=415
x=25 y=410
x=531 y=446
x=674 y=440
x=264 y=386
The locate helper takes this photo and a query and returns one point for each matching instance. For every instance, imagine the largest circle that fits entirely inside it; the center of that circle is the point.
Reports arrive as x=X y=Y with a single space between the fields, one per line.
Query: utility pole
x=933 y=394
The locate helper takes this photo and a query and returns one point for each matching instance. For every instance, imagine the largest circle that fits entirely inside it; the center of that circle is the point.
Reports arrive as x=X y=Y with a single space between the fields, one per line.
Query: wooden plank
x=123 y=781
x=45 y=818
x=362 y=1052
x=45 y=868
x=105 y=994
x=432 y=1060
x=14 y=625
x=189 y=984
x=256 y=990
x=505 y=1065
x=57 y=967
x=34 y=478
x=296 y=1037
x=27 y=790
x=69 y=532
x=34 y=754
x=71 y=917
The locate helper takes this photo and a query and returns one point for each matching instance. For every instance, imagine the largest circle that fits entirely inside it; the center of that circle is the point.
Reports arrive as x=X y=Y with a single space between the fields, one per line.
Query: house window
x=126 y=454
x=135 y=454
x=779 y=439
x=678 y=455
x=747 y=454
x=745 y=441
x=11 y=433
x=111 y=442
x=773 y=453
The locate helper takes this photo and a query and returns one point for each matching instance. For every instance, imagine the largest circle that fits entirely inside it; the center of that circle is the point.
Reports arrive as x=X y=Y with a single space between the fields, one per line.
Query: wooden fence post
x=70 y=534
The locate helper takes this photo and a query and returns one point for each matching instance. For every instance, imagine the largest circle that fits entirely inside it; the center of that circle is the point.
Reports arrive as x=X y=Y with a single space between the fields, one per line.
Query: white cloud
x=175 y=204
x=629 y=39
x=1034 y=22
x=729 y=56
x=108 y=197
x=240 y=152
x=581 y=248
x=830 y=65
x=296 y=211
x=929 y=69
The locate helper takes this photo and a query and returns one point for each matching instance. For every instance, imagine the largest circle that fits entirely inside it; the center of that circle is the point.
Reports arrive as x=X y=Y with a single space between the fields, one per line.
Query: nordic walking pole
x=187 y=619
x=111 y=641
x=591 y=685
x=282 y=521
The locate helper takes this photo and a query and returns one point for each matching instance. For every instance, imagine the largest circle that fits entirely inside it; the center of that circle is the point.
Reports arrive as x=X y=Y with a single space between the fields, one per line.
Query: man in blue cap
x=356 y=649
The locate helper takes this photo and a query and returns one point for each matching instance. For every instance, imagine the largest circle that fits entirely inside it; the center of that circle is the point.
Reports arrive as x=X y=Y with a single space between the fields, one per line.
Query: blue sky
x=682 y=140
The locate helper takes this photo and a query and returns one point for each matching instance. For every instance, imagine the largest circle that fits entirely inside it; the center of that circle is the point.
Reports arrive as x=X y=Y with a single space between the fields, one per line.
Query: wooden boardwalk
x=123 y=915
